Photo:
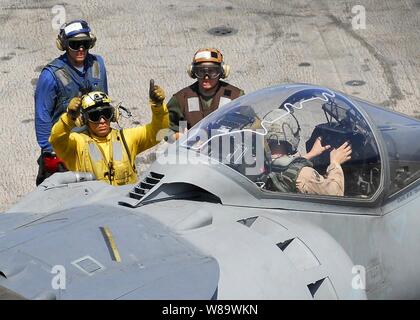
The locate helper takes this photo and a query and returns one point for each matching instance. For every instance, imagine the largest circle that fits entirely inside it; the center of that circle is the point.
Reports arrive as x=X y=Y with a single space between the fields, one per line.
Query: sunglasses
x=77 y=44
x=96 y=115
x=211 y=72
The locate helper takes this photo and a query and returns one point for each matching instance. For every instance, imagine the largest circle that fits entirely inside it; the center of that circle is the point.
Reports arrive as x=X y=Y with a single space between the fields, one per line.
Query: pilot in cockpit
x=291 y=172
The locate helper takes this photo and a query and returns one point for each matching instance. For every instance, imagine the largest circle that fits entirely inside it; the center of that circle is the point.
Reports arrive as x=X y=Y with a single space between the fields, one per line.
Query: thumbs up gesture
x=156 y=94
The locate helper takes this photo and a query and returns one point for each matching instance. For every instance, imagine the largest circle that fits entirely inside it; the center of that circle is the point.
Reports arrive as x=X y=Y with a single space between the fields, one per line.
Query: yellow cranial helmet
x=95 y=99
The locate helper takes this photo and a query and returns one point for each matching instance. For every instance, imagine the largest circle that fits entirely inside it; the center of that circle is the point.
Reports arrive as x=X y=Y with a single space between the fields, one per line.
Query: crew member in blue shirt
x=74 y=73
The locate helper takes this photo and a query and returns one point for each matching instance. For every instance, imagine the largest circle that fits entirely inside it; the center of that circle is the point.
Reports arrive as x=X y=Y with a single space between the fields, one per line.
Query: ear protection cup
x=59 y=44
x=226 y=71
x=93 y=37
x=117 y=115
x=189 y=71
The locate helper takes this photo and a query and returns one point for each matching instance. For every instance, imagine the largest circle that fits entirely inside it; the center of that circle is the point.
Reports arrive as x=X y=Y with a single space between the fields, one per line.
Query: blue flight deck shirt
x=58 y=83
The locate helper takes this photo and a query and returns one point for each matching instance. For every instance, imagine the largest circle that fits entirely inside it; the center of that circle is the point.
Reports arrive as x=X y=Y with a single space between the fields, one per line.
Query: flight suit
x=310 y=181
x=299 y=176
x=188 y=105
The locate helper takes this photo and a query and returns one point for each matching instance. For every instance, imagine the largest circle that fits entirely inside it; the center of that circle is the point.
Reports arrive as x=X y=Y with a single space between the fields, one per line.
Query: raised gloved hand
x=341 y=154
x=156 y=94
x=73 y=109
x=317 y=149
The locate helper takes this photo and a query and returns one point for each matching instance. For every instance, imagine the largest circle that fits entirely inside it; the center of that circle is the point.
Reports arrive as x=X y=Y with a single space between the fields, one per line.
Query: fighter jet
x=203 y=223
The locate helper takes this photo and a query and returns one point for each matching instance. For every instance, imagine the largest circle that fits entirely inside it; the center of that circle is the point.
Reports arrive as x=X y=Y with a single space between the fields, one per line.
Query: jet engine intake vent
x=145 y=185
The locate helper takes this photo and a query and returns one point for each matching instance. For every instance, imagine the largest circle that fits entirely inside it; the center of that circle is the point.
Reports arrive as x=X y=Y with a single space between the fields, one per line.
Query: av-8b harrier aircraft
x=202 y=223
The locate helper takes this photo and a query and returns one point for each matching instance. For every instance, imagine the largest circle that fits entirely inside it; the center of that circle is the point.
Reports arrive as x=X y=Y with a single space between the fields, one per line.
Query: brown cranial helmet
x=208 y=55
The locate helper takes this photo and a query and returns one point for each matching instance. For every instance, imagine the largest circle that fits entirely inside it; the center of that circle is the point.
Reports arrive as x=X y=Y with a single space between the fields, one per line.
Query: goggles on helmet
x=98 y=113
x=75 y=44
x=211 y=71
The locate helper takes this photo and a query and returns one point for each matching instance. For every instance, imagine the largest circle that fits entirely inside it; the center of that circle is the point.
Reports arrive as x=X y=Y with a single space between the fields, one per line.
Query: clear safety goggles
x=97 y=114
x=211 y=71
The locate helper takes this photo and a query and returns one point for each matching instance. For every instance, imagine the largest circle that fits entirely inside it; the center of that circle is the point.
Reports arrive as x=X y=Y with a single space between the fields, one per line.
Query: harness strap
x=133 y=165
x=285 y=181
x=63 y=76
x=96 y=71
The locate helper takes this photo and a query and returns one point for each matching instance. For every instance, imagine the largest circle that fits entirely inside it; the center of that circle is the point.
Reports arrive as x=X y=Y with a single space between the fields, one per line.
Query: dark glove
x=156 y=94
x=52 y=163
x=73 y=109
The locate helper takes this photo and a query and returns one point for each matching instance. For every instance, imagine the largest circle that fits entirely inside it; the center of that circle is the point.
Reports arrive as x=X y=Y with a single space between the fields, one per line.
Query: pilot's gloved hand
x=340 y=155
x=73 y=109
x=317 y=149
x=156 y=94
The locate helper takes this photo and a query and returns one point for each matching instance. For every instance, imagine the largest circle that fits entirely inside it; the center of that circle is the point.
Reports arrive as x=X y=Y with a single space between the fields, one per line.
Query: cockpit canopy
x=240 y=134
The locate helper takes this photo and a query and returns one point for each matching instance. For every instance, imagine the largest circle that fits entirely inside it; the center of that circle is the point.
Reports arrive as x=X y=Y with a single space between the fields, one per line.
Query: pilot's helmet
x=282 y=128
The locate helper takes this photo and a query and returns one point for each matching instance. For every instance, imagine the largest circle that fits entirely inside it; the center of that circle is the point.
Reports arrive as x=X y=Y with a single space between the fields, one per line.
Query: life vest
x=70 y=81
x=119 y=170
x=191 y=105
x=284 y=179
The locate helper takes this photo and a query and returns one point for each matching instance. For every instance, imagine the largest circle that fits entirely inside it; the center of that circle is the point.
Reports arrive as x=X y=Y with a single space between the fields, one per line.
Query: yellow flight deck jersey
x=106 y=157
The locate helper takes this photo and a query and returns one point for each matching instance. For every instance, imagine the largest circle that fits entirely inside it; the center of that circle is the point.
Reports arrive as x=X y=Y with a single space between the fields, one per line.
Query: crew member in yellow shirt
x=106 y=152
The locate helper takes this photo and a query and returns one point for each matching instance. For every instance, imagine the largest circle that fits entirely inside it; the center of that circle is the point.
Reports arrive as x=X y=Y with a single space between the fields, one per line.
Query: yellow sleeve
x=64 y=141
x=144 y=137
